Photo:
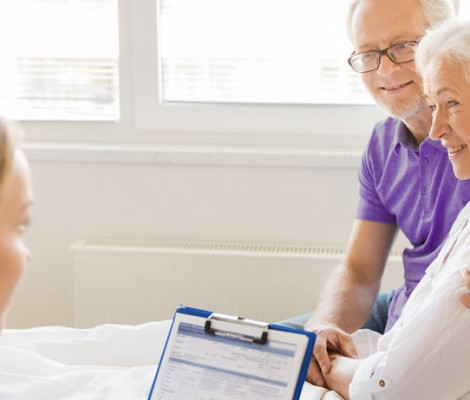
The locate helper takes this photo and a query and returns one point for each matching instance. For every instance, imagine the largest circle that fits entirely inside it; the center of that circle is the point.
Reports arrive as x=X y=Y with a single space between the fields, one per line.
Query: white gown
x=426 y=355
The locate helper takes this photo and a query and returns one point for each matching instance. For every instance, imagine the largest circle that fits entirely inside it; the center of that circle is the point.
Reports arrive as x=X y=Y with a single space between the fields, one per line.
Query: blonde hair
x=10 y=134
x=435 y=13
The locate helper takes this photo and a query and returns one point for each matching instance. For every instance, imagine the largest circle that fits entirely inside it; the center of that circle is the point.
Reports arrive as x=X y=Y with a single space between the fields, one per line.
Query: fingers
x=466 y=278
x=348 y=347
x=465 y=297
x=314 y=375
x=329 y=339
x=320 y=352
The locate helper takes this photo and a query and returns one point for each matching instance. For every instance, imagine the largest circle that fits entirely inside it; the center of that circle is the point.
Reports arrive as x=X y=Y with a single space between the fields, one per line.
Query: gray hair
x=451 y=40
x=435 y=13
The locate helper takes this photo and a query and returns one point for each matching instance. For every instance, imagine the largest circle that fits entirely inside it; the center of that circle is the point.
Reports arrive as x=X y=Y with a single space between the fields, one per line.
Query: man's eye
x=452 y=103
x=401 y=46
x=367 y=56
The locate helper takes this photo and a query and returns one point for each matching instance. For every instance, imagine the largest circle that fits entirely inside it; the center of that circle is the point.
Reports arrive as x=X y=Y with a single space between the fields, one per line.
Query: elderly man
x=406 y=179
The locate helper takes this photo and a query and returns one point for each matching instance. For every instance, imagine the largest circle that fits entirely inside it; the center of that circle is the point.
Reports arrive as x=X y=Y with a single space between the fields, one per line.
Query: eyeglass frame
x=382 y=53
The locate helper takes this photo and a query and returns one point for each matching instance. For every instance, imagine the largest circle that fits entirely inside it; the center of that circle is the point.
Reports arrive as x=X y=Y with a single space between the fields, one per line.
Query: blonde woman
x=16 y=197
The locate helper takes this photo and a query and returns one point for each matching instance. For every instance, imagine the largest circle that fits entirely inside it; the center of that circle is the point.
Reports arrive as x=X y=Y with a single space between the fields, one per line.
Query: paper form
x=203 y=366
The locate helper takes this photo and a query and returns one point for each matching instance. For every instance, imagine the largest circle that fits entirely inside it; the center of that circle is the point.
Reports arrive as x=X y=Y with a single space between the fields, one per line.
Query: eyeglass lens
x=400 y=53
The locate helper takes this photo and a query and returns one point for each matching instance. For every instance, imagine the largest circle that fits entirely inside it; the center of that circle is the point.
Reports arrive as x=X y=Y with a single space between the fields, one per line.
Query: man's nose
x=386 y=65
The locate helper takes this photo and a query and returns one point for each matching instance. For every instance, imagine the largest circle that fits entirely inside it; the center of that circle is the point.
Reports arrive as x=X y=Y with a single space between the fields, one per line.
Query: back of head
x=451 y=40
x=9 y=137
x=435 y=12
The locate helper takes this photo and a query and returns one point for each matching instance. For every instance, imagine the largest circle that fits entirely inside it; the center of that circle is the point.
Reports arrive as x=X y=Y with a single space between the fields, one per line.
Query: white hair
x=435 y=13
x=451 y=39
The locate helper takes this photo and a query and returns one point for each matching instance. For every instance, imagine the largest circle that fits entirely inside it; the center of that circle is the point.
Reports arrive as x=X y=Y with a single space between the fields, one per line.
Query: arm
x=341 y=374
x=349 y=294
x=432 y=338
x=426 y=353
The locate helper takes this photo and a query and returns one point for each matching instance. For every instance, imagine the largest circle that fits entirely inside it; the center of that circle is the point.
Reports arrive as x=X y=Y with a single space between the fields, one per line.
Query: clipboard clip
x=243 y=328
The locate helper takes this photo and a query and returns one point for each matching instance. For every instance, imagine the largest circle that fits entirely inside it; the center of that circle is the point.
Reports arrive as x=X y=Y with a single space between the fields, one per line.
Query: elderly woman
x=426 y=354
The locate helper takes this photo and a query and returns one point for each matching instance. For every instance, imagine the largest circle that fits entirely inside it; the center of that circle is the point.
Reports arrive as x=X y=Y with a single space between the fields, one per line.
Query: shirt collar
x=404 y=138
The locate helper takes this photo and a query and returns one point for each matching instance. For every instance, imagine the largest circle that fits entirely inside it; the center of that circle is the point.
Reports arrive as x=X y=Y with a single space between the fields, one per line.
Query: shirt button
x=382 y=383
x=424 y=160
x=424 y=190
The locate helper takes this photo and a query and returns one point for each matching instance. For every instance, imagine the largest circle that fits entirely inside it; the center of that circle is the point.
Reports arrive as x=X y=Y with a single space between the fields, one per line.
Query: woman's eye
x=452 y=103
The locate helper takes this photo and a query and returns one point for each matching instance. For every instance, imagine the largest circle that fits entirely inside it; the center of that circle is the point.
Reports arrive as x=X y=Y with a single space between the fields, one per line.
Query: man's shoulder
x=385 y=137
x=388 y=130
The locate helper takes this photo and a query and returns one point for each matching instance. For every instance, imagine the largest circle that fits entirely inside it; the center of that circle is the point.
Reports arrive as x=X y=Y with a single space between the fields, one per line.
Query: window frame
x=258 y=121
x=144 y=120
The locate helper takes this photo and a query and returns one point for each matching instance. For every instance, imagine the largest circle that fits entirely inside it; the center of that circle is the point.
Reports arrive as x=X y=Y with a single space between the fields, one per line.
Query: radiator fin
x=130 y=281
x=221 y=247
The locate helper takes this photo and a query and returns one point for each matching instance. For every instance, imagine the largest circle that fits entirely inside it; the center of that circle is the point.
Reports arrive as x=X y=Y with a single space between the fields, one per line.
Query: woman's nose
x=439 y=126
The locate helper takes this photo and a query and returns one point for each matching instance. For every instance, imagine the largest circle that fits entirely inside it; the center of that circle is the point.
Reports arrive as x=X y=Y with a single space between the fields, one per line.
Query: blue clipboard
x=196 y=338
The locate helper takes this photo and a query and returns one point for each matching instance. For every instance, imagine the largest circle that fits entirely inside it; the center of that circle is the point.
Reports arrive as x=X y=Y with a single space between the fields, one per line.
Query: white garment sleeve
x=311 y=392
x=427 y=354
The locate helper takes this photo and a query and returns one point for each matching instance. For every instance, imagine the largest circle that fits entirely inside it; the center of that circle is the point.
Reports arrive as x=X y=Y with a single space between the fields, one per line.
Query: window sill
x=204 y=156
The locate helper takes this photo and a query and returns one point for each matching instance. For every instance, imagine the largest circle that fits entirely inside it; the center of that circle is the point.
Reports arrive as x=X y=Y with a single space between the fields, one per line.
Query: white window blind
x=256 y=51
x=59 y=59
x=259 y=51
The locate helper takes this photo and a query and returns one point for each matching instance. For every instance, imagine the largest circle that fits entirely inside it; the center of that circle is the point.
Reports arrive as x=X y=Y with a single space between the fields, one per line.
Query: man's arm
x=349 y=294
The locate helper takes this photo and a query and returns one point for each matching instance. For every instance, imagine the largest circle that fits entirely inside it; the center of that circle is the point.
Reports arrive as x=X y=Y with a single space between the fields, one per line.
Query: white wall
x=307 y=197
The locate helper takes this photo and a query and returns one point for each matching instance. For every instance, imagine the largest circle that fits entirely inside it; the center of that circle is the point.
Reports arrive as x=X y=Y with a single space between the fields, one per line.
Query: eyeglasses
x=370 y=60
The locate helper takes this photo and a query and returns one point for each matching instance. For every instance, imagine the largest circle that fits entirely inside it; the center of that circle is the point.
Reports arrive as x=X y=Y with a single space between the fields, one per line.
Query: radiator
x=131 y=282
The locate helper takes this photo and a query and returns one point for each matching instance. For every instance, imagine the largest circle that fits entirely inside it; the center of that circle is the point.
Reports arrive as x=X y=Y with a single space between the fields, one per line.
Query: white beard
x=406 y=110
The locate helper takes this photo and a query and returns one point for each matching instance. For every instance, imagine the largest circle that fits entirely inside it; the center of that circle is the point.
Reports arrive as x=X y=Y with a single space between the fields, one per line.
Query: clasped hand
x=329 y=339
x=332 y=343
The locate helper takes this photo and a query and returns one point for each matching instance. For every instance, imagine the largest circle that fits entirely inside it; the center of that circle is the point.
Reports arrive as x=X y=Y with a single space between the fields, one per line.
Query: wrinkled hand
x=465 y=298
x=333 y=339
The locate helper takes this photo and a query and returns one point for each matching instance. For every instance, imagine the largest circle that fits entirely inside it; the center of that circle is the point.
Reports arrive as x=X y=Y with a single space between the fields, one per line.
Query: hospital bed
x=107 y=362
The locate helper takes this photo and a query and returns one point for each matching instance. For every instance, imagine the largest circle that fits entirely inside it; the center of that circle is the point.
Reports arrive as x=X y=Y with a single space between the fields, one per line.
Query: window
x=170 y=77
x=63 y=61
x=256 y=51
x=175 y=104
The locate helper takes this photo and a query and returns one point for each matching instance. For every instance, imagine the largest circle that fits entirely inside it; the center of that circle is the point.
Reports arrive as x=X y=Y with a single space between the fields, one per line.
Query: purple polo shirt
x=415 y=188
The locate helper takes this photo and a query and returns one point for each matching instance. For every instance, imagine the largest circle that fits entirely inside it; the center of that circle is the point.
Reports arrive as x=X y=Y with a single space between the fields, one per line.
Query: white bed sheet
x=109 y=362
x=106 y=362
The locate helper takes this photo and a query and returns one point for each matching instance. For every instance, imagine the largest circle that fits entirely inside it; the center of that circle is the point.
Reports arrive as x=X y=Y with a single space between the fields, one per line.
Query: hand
x=341 y=374
x=328 y=338
x=465 y=298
